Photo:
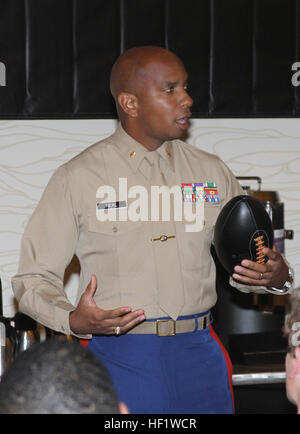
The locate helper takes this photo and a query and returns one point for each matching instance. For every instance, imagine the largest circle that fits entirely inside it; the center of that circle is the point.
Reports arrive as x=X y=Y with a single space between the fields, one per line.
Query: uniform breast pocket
x=195 y=246
x=211 y=212
x=112 y=228
x=121 y=244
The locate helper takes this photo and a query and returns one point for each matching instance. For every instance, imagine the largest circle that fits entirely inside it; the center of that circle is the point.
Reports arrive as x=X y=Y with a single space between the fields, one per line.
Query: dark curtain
x=58 y=54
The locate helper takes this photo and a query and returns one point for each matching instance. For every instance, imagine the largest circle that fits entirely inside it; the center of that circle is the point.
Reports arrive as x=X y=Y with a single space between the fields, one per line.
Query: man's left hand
x=273 y=273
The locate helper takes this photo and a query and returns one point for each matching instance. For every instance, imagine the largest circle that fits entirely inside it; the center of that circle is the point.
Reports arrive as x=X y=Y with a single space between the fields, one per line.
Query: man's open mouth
x=183 y=123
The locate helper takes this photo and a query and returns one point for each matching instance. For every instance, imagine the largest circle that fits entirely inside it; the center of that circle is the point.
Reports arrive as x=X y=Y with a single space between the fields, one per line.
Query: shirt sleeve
x=233 y=187
x=48 y=245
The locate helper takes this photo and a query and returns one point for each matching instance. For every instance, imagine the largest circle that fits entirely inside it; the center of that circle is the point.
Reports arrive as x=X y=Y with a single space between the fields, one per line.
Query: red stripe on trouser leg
x=84 y=342
x=227 y=359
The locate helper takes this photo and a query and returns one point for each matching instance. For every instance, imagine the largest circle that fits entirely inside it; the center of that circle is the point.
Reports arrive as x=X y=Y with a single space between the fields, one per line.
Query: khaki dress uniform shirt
x=131 y=261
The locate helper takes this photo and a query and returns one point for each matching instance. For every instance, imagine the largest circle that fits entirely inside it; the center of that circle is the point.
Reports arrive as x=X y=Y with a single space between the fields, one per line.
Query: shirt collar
x=135 y=153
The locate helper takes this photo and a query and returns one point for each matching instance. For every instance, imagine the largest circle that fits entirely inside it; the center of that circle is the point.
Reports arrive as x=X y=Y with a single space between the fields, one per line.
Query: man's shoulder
x=90 y=156
x=194 y=152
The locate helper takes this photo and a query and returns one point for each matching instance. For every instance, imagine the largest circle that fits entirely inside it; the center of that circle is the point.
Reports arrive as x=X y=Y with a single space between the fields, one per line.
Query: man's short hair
x=57 y=377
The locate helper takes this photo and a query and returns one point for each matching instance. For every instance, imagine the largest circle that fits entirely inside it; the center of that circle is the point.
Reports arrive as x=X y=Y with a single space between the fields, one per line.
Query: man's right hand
x=88 y=318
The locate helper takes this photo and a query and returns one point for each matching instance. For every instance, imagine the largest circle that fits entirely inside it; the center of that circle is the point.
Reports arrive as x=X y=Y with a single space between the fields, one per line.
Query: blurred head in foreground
x=57 y=377
x=292 y=361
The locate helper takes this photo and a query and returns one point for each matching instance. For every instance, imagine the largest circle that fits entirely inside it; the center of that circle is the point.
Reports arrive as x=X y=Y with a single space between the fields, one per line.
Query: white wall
x=31 y=150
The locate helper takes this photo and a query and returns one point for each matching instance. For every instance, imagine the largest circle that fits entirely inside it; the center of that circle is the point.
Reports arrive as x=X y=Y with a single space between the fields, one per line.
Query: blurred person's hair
x=56 y=377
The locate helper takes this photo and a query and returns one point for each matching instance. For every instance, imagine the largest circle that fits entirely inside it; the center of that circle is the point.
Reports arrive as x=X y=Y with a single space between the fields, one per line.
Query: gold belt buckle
x=161 y=333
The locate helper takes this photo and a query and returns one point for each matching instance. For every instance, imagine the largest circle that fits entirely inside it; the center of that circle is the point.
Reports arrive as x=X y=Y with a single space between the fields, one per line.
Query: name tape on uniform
x=112 y=205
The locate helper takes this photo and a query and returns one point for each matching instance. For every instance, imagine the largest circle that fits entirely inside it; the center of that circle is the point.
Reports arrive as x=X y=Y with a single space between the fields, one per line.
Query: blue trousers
x=182 y=374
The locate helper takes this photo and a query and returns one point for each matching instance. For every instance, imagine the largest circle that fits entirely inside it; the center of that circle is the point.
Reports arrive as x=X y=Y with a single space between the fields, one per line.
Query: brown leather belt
x=170 y=327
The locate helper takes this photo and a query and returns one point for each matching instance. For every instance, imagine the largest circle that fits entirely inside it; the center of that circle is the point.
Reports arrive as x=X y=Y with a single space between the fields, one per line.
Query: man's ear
x=123 y=408
x=129 y=104
x=295 y=367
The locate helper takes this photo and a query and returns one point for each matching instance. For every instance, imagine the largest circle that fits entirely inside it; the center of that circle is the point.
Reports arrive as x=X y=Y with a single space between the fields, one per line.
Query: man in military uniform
x=150 y=282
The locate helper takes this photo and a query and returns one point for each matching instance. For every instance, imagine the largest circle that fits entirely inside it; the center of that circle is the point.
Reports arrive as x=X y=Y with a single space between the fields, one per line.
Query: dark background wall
x=239 y=54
